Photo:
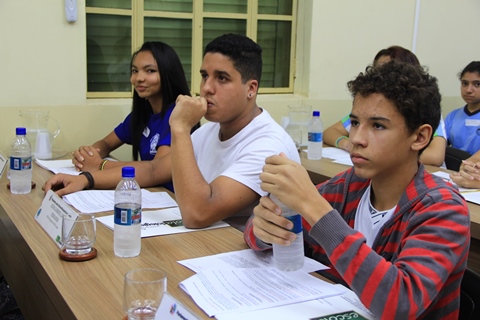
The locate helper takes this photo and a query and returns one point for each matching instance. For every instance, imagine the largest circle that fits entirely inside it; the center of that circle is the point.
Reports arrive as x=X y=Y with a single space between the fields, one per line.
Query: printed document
x=93 y=201
x=161 y=222
x=243 y=259
x=222 y=291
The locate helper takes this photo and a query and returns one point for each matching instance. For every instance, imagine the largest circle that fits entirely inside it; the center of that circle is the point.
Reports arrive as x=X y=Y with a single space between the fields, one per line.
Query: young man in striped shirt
x=395 y=234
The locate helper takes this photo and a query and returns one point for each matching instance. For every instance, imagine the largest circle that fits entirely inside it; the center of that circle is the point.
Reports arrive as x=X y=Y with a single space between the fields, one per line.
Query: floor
x=8 y=306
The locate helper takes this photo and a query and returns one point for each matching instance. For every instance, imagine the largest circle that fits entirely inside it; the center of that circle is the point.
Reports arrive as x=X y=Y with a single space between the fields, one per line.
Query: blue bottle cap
x=128 y=172
x=316 y=113
x=21 y=131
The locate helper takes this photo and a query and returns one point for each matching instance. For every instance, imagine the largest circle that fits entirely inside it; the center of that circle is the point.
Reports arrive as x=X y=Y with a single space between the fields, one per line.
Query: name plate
x=50 y=216
x=172 y=309
x=3 y=163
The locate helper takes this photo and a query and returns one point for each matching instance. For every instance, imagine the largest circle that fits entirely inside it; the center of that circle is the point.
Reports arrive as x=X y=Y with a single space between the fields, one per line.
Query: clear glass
x=109 y=50
x=142 y=292
x=78 y=234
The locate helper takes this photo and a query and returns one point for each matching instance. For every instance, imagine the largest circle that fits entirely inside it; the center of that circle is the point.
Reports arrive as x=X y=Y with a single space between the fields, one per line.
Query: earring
x=249 y=95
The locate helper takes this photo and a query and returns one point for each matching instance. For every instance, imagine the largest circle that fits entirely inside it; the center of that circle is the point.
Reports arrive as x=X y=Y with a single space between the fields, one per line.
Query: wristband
x=89 y=177
x=102 y=165
x=338 y=140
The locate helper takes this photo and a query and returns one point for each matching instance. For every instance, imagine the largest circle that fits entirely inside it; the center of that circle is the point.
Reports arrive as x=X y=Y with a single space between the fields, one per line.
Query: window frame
x=197 y=16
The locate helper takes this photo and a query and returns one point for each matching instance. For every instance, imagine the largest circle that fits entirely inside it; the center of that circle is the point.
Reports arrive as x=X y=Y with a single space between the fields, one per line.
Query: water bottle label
x=20 y=163
x=127 y=217
x=297 y=223
x=315 y=136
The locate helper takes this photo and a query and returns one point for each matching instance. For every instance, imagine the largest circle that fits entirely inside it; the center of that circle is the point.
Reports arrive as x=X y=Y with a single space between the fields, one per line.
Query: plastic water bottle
x=315 y=137
x=292 y=257
x=127 y=215
x=21 y=163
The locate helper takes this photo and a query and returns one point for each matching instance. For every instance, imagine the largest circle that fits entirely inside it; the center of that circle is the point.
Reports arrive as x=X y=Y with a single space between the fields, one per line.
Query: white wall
x=43 y=59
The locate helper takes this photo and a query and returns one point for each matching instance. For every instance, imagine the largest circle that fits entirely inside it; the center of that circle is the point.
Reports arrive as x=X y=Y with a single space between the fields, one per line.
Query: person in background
x=158 y=78
x=463 y=124
x=215 y=170
x=395 y=234
x=338 y=134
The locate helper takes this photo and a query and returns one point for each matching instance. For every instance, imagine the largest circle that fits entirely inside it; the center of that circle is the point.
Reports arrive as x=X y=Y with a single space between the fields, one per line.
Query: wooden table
x=49 y=288
x=324 y=169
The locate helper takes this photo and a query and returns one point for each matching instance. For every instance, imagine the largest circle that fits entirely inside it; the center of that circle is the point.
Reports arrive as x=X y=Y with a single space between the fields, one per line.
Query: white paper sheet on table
x=156 y=223
x=337 y=155
x=222 y=291
x=243 y=259
x=58 y=166
x=306 y=310
x=93 y=201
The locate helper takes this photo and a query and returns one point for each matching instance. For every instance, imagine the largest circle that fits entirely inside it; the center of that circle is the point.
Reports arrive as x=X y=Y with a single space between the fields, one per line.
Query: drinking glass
x=142 y=293
x=78 y=234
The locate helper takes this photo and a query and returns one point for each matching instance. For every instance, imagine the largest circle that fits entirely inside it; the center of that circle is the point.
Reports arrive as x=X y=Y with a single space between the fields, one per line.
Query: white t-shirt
x=369 y=220
x=241 y=157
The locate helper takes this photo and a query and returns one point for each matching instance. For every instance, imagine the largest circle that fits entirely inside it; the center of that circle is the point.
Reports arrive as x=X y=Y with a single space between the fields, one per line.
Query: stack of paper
x=245 y=285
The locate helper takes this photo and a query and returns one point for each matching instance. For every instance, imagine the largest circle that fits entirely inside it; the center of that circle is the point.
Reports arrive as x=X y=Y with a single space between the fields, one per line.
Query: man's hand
x=187 y=112
x=64 y=184
x=268 y=224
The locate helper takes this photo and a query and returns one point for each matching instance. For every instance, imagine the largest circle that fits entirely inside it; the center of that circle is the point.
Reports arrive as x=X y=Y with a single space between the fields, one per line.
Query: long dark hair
x=172 y=82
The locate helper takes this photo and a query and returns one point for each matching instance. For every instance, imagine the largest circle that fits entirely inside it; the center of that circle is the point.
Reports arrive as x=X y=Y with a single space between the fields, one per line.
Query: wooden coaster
x=33 y=185
x=77 y=257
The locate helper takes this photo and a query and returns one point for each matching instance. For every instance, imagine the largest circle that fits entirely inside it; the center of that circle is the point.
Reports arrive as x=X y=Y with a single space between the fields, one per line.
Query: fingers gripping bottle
x=127 y=215
x=292 y=257
x=21 y=163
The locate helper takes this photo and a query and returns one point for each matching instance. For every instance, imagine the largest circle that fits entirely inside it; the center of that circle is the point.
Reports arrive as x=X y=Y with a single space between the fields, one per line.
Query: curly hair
x=398 y=53
x=410 y=88
x=243 y=51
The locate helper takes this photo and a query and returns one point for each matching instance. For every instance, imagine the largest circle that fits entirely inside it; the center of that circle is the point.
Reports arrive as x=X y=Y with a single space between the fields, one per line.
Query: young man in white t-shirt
x=215 y=171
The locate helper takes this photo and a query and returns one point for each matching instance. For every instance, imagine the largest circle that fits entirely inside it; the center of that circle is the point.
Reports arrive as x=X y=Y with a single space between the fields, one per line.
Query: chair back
x=454 y=157
x=470 y=296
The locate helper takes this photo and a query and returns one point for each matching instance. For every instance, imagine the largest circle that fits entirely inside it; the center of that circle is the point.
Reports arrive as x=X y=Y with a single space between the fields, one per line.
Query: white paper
x=155 y=223
x=446 y=176
x=306 y=310
x=92 y=201
x=337 y=155
x=170 y=308
x=58 y=166
x=236 y=290
x=3 y=162
x=244 y=259
x=50 y=216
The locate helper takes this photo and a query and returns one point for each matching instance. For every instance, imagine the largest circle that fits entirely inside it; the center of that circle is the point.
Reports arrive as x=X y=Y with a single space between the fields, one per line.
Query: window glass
x=213 y=28
x=274 y=38
x=175 y=32
x=117 y=4
x=108 y=53
x=231 y=6
x=283 y=7
x=169 y=5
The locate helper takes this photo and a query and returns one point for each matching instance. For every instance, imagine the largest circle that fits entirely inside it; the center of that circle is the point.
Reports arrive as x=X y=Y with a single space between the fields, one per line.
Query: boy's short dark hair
x=410 y=88
x=243 y=51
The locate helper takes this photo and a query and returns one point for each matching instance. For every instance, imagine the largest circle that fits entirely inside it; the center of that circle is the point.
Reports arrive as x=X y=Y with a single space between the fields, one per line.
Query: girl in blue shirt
x=158 y=78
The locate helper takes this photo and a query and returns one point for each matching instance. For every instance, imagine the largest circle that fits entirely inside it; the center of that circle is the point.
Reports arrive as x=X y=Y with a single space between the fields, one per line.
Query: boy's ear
x=423 y=134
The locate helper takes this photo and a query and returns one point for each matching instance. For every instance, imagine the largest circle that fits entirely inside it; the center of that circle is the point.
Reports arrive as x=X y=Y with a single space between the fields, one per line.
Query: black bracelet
x=89 y=177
